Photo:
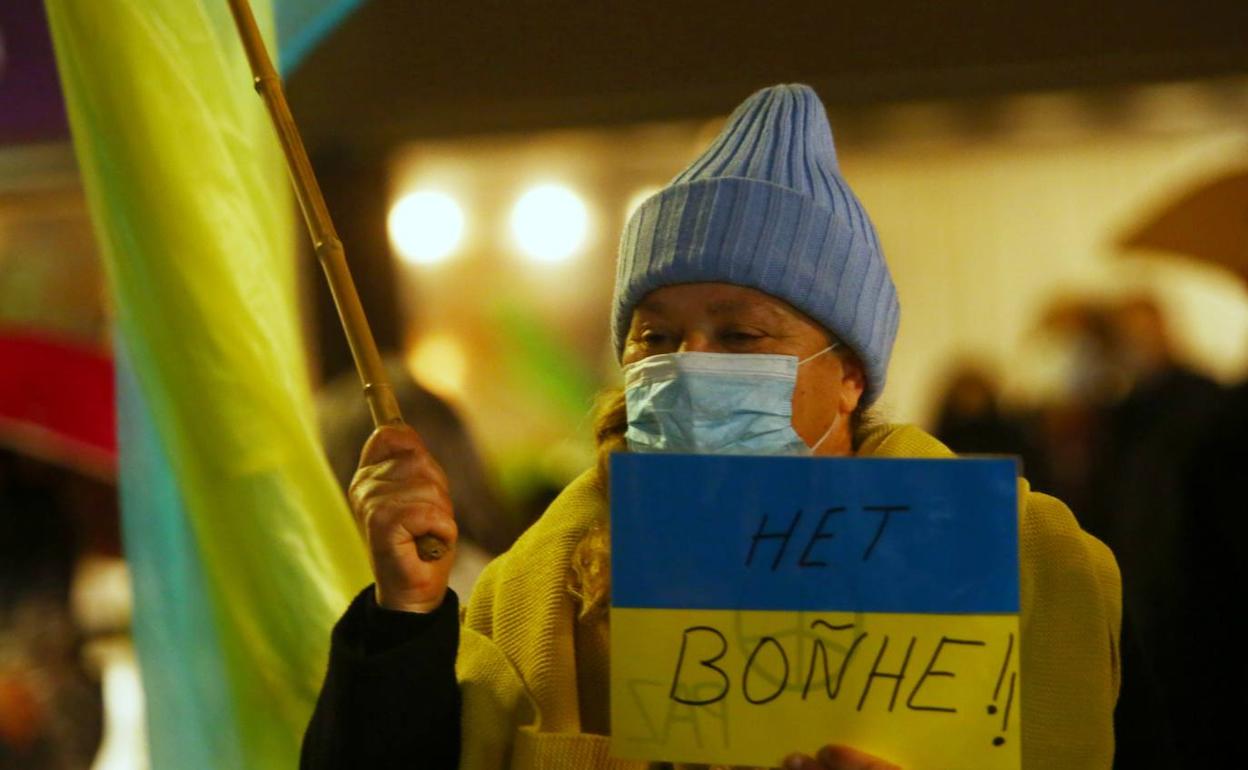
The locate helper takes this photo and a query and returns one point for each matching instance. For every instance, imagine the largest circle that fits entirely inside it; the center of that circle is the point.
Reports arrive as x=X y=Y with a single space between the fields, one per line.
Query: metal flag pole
x=329 y=251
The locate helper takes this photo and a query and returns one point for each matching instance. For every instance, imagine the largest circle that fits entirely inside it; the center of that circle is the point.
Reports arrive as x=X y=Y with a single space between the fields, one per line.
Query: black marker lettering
x=784 y=537
x=816 y=537
x=876 y=673
x=820 y=650
x=931 y=671
x=888 y=511
x=745 y=678
x=707 y=662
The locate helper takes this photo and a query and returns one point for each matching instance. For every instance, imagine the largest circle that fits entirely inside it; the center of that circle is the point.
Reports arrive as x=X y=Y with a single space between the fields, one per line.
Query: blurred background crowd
x=1062 y=195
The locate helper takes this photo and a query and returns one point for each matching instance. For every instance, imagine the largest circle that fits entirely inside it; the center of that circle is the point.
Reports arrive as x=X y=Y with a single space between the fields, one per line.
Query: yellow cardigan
x=517 y=662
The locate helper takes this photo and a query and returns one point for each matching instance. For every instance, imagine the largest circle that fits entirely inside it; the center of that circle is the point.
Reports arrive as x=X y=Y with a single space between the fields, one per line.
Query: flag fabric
x=303 y=24
x=241 y=546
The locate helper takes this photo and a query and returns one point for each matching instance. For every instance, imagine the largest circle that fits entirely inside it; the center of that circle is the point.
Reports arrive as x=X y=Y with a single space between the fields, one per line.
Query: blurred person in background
x=757 y=259
x=1160 y=409
x=1065 y=377
x=1146 y=432
x=1178 y=552
x=1126 y=429
x=1203 y=636
x=970 y=419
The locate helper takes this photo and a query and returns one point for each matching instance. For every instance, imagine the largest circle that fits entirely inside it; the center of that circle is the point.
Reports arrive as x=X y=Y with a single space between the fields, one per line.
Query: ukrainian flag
x=239 y=540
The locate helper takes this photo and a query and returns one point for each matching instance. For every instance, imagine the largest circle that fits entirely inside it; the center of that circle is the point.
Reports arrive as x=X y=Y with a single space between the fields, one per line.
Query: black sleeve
x=390 y=699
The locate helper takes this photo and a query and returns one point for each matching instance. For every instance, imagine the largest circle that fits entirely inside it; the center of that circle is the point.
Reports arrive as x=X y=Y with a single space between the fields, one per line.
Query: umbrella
x=1208 y=223
x=56 y=402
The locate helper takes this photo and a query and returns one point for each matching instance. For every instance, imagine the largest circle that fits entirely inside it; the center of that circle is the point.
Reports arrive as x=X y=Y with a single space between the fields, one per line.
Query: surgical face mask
x=715 y=403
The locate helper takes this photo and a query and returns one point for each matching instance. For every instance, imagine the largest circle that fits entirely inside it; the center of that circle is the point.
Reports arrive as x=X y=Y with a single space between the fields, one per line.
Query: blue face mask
x=715 y=403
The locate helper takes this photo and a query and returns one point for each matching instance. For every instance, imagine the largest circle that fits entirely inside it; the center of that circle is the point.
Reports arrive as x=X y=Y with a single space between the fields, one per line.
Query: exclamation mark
x=1009 y=698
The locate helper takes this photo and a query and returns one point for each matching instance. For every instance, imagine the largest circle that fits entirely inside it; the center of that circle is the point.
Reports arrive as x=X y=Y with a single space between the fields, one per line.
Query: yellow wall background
x=980 y=238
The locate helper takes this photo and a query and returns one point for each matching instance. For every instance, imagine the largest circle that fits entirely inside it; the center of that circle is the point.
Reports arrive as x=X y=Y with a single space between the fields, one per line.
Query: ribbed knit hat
x=766 y=207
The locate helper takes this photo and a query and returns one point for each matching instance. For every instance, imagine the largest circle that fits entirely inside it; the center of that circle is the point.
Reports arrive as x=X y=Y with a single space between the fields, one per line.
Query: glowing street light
x=549 y=223
x=425 y=226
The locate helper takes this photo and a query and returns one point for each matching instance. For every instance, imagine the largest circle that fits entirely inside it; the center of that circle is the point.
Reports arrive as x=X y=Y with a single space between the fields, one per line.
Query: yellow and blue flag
x=239 y=540
x=303 y=24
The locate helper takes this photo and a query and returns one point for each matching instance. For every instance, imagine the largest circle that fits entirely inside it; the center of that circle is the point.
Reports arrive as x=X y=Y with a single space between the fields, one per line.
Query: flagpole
x=329 y=251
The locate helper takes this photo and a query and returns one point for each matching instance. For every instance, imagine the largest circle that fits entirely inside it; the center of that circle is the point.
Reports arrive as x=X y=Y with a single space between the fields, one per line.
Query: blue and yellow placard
x=766 y=605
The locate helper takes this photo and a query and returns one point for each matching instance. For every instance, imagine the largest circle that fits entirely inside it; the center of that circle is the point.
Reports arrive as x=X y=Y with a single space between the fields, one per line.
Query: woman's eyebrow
x=652 y=306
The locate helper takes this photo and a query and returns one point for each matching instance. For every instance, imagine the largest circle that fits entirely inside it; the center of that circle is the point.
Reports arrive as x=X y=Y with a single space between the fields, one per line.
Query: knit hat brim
x=753 y=233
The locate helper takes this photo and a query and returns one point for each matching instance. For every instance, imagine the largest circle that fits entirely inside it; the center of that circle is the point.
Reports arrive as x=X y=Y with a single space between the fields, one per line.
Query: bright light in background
x=439 y=362
x=425 y=226
x=550 y=223
x=124 y=743
x=639 y=198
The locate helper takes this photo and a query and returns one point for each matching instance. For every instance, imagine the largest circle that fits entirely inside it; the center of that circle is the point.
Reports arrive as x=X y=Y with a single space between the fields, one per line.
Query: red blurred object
x=56 y=402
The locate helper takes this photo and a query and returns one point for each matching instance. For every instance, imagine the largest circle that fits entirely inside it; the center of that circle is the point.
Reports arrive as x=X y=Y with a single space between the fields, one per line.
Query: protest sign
x=766 y=605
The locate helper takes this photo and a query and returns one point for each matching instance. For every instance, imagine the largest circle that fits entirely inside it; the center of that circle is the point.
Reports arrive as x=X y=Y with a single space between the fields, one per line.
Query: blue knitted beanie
x=765 y=207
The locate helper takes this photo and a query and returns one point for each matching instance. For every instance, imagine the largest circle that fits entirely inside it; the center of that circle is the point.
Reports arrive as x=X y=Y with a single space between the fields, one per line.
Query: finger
x=421 y=522
x=799 y=762
x=409 y=467
x=398 y=524
x=844 y=758
x=374 y=492
x=390 y=440
x=415 y=534
x=397 y=475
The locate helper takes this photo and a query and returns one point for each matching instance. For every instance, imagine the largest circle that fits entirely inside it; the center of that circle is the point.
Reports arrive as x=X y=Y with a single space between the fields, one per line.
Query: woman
x=753 y=312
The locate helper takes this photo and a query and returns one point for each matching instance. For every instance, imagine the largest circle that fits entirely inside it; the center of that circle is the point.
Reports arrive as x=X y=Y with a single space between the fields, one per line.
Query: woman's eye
x=741 y=337
x=653 y=339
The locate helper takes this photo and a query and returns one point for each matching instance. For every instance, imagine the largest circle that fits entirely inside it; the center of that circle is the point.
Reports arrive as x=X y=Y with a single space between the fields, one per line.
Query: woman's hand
x=400 y=493
x=837 y=758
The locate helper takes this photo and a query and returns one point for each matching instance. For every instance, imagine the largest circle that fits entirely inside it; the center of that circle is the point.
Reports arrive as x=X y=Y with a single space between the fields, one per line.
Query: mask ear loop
x=813 y=356
x=826 y=433
x=831 y=427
